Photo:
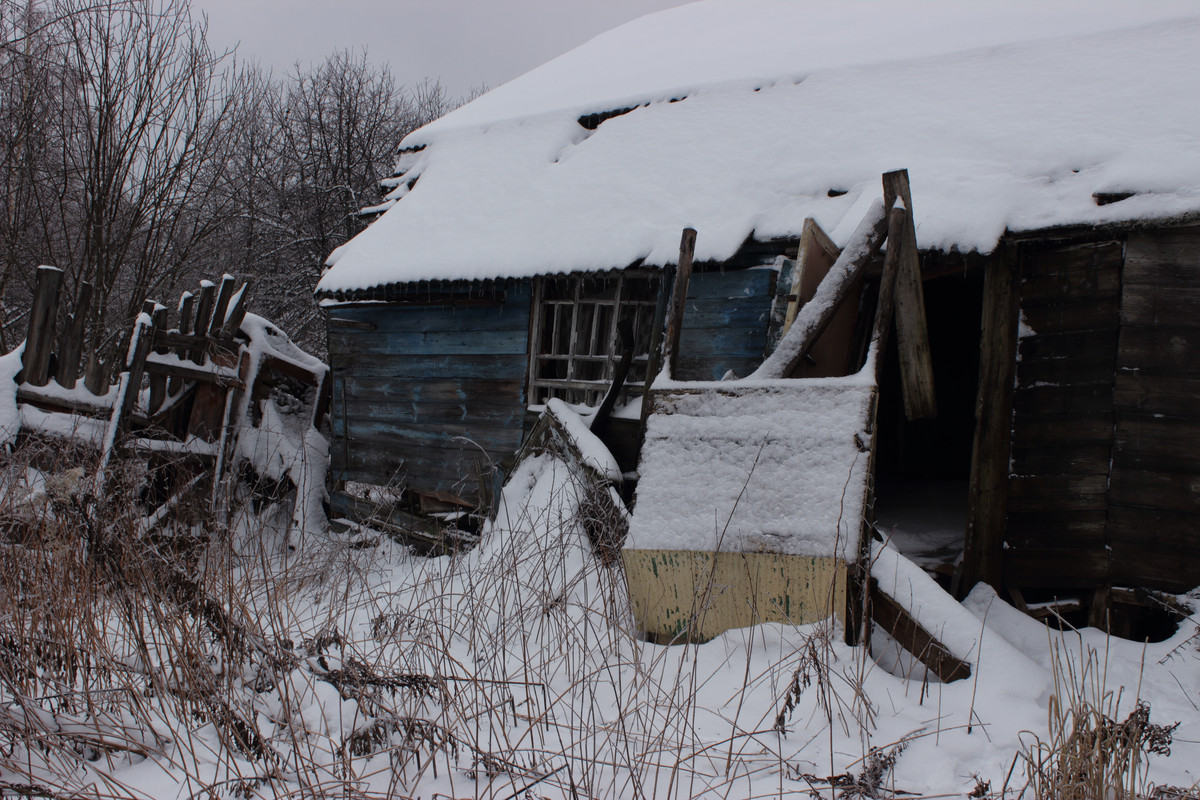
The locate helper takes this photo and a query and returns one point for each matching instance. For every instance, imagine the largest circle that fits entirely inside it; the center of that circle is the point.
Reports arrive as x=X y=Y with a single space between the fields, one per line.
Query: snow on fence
x=186 y=392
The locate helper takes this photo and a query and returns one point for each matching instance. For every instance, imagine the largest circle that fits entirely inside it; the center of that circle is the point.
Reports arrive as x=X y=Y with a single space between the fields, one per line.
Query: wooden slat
x=1170 y=395
x=1062 y=529
x=912 y=332
x=237 y=313
x=70 y=348
x=1070 y=399
x=1164 y=257
x=1057 y=493
x=224 y=295
x=1149 y=306
x=203 y=317
x=1085 y=315
x=1077 y=459
x=42 y=316
x=188 y=371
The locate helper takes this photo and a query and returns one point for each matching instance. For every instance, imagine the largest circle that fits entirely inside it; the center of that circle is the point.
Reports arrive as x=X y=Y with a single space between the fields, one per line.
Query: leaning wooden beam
x=887 y=287
x=70 y=347
x=814 y=317
x=683 y=274
x=237 y=313
x=39 y=340
x=128 y=387
x=913 y=637
x=912 y=334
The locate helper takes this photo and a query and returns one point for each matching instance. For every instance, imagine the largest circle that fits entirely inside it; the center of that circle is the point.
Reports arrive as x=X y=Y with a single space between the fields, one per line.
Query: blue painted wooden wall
x=725 y=323
x=429 y=396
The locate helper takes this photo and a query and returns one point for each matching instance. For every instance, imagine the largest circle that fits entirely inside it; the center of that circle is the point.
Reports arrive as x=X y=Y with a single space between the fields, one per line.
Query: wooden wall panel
x=725 y=323
x=1154 y=511
x=1063 y=419
x=428 y=396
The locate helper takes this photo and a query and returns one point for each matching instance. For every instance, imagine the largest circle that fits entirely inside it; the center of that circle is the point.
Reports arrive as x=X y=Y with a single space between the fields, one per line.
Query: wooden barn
x=1030 y=425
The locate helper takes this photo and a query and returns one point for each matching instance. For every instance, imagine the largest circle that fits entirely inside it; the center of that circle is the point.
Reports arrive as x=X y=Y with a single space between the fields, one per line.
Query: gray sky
x=464 y=42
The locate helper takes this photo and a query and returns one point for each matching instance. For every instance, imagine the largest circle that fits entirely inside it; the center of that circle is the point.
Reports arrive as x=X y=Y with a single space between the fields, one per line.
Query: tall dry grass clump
x=1090 y=752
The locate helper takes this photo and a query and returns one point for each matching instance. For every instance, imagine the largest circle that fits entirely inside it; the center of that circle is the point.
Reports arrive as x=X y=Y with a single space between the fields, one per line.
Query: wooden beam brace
x=912 y=333
x=40 y=338
x=817 y=314
x=901 y=626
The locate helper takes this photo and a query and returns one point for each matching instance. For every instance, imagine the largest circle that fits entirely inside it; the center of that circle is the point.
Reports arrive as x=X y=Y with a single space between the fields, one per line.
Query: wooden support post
x=158 y=382
x=912 y=334
x=817 y=314
x=70 y=348
x=224 y=295
x=683 y=274
x=187 y=305
x=40 y=338
x=987 y=500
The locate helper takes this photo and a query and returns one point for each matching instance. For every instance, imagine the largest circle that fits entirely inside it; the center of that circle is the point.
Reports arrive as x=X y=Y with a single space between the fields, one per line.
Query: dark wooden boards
x=1063 y=417
x=725 y=323
x=430 y=397
x=1154 y=503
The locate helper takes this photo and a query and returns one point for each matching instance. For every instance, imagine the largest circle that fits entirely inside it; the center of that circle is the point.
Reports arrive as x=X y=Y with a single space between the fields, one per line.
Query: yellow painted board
x=686 y=595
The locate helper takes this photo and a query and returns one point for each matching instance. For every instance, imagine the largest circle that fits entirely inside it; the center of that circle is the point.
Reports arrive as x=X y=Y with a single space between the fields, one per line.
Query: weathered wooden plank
x=1167 y=349
x=460 y=342
x=912 y=332
x=386 y=319
x=1149 y=306
x=70 y=347
x=236 y=313
x=714 y=367
x=727 y=285
x=1079 y=262
x=221 y=306
x=1056 y=568
x=679 y=292
x=1051 y=458
x=189 y=371
x=1057 y=493
x=1154 y=548
x=1156 y=488
x=208 y=291
x=1164 y=257
x=433 y=367
x=1052 y=430
x=433 y=390
x=1101 y=281
x=143 y=341
x=987 y=502
x=1074 y=316
x=1082 y=530
x=1171 y=395
x=42 y=316
x=1097 y=346
x=1063 y=399
x=1145 y=439
x=1085 y=370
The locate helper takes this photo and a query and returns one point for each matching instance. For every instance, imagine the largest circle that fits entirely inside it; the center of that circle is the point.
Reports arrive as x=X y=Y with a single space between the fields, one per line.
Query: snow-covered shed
x=1054 y=158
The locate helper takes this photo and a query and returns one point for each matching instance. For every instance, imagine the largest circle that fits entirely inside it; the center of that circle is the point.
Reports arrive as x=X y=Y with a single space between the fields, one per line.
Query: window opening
x=574 y=352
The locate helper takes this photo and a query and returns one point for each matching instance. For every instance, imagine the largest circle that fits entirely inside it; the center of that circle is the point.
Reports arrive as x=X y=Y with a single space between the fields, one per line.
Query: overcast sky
x=465 y=43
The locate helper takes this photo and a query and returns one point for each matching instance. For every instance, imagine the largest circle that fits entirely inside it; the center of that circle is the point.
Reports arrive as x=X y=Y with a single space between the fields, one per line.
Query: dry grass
x=1091 y=752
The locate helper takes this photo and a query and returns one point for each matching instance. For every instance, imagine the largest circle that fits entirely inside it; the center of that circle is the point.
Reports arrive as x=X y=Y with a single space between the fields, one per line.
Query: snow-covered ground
x=514 y=667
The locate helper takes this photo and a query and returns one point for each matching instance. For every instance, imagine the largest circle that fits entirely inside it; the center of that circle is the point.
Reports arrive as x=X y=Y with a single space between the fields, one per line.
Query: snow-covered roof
x=749 y=114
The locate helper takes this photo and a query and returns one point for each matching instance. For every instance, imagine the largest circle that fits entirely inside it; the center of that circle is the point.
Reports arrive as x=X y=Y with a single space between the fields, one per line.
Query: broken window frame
x=573 y=331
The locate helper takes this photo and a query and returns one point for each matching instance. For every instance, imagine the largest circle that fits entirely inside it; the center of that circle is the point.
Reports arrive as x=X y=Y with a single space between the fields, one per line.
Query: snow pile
x=10 y=417
x=778 y=468
x=512 y=670
x=783 y=104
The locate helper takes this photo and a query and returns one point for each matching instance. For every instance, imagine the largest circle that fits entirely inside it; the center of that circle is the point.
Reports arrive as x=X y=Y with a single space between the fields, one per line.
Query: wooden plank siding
x=1154 y=504
x=1105 y=462
x=725 y=323
x=1063 y=418
x=429 y=396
